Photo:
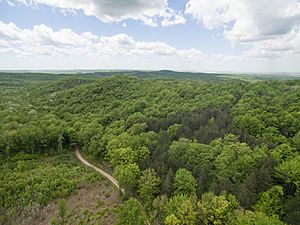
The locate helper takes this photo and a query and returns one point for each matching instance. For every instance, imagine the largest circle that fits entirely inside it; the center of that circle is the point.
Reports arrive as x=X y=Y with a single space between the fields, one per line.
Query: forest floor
x=90 y=204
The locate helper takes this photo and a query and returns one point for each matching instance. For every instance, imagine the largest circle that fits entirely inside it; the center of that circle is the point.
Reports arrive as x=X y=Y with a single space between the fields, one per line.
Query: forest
x=187 y=148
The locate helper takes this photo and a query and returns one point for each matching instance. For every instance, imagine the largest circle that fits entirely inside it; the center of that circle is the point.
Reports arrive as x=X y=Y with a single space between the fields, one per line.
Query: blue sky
x=192 y=35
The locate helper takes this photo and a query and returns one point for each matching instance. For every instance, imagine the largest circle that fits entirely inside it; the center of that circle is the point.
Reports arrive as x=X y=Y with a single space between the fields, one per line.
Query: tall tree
x=148 y=186
x=128 y=176
x=217 y=209
x=184 y=182
x=59 y=143
x=130 y=213
x=181 y=209
x=270 y=202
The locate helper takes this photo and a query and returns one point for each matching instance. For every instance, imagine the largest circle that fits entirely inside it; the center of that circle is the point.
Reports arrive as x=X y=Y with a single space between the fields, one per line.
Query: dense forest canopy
x=192 y=151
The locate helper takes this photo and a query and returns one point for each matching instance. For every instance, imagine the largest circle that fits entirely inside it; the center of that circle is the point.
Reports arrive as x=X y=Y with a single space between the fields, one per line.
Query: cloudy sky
x=185 y=35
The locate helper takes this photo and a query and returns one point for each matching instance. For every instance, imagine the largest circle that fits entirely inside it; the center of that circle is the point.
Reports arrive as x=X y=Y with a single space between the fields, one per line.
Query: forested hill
x=192 y=151
x=19 y=78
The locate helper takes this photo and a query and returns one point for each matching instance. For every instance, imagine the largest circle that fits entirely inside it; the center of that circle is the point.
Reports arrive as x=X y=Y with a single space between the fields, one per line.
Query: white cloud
x=10 y=3
x=213 y=13
x=246 y=20
x=43 y=41
x=172 y=17
x=280 y=46
x=151 y=13
x=269 y=28
x=44 y=48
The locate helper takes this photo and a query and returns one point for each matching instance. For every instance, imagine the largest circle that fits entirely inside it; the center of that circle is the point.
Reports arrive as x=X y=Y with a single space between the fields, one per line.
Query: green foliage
x=259 y=180
x=128 y=176
x=283 y=151
x=171 y=220
x=296 y=141
x=148 y=186
x=181 y=209
x=89 y=134
x=172 y=130
x=121 y=156
x=270 y=202
x=268 y=112
x=217 y=210
x=126 y=148
x=159 y=205
x=62 y=210
x=256 y=218
x=184 y=183
x=130 y=213
x=59 y=144
x=226 y=133
x=251 y=123
x=291 y=209
x=289 y=171
x=234 y=159
x=32 y=183
x=190 y=153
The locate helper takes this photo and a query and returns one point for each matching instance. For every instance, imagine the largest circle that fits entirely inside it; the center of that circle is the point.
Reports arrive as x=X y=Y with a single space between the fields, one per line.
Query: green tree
x=289 y=171
x=291 y=209
x=296 y=141
x=190 y=153
x=127 y=175
x=130 y=213
x=184 y=182
x=135 y=145
x=270 y=202
x=171 y=220
x=172 y=130
x=59 y=144
x=217 y=210
x=249 y=122
x=159 y=206
x=255 y=218
x=148 y=186
x=137 y=128
x=182 y=208
x=282 y=152
x=121 y=156
x=259 y=180
x=234 y=160
x=87 y=131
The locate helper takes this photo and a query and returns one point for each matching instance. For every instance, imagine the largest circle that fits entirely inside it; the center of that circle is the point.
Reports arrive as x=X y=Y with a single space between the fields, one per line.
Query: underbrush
x=29 y=182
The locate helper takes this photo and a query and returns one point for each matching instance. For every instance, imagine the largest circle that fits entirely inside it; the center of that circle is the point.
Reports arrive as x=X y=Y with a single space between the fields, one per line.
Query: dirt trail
x=109 y=177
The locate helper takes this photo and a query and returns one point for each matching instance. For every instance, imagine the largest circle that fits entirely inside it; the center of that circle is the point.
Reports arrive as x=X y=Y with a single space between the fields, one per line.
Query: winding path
x=108 y=176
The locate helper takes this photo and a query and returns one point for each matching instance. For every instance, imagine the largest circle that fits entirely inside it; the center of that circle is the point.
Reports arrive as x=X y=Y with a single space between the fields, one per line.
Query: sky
x=184 y=35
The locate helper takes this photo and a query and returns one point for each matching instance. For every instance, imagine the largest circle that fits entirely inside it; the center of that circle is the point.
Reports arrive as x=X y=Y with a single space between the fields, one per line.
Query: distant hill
x=20 y=78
